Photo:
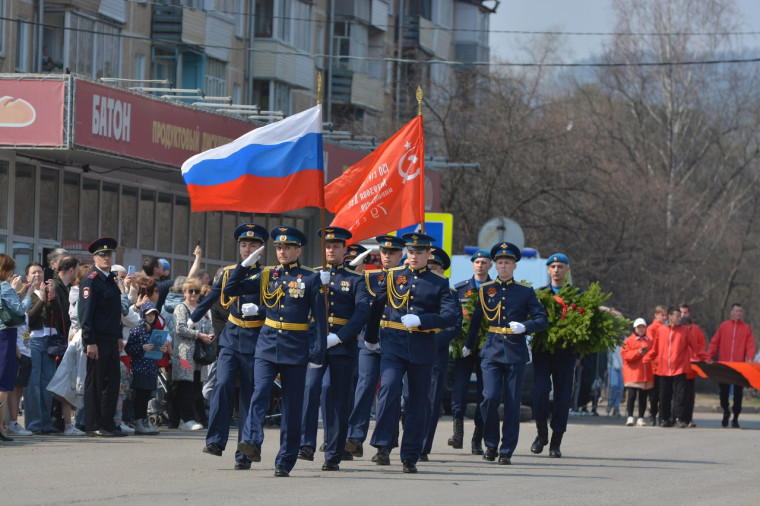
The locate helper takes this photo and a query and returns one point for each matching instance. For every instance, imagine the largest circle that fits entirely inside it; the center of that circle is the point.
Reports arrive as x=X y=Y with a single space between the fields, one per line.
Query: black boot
x=554 y=445
x=455 y=441
x=477 y=438
x=542 y=439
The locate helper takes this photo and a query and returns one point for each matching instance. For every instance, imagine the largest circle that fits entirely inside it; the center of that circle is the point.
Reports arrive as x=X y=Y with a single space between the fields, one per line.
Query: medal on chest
x=345 y=286
x=296 y=288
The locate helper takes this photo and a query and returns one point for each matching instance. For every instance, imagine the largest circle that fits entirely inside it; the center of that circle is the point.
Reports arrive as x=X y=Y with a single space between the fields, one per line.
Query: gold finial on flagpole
x=319 y=87
x=419 y=101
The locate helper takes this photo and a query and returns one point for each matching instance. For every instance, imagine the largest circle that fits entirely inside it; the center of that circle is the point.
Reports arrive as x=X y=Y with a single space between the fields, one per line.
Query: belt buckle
x=278 y=325
x=504 y=331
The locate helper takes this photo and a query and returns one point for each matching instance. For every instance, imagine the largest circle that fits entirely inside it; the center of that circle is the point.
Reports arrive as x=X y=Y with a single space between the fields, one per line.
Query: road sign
x=438 y=225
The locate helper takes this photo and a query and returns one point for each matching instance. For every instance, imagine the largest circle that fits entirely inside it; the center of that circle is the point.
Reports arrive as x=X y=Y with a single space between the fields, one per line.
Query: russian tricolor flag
x=272 y=169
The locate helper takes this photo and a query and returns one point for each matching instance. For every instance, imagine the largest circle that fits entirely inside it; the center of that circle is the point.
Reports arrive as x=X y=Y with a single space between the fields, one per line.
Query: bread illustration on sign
x=16 y=112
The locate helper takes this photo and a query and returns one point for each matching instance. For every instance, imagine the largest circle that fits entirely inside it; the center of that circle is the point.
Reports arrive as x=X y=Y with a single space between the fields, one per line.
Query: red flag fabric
x=384 y=191
x=745 y=374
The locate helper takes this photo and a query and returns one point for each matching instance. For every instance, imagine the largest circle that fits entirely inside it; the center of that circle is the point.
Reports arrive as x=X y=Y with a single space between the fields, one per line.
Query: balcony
x=357 y=89
x=177 y=24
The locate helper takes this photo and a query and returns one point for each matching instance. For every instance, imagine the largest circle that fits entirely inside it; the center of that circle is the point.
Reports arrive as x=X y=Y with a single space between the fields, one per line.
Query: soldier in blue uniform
x=439 y=263
x=512 y=310
x=415 y=304
x=239 y=289
x=100 y=318
x=553 y=369
x=290 y=294
x=352 y=252
x=465 y=366
x=391 y=248
x=349 y=309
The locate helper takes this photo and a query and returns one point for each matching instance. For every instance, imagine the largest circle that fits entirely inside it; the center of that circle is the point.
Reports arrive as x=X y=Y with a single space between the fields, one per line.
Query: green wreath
x=455 y=347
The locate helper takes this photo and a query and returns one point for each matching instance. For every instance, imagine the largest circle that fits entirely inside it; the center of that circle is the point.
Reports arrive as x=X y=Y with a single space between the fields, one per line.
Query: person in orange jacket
x=637 y=374
x=734 y=342
x=672 y=348
x=691 y=375
x=660 y=317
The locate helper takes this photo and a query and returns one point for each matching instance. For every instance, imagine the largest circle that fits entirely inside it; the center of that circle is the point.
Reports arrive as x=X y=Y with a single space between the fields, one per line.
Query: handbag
x=57 y=345
x=11 y=318
x=204 y=354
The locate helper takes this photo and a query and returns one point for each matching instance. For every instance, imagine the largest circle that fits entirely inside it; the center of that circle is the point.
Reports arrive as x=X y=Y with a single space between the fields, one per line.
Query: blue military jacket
x=373 y=279
x=237 y=286
x=290 y=295
x=444 y=337
x=99 y=307
x=466 y=288
x=503 y=302
x=407 y=291
x=349 y=301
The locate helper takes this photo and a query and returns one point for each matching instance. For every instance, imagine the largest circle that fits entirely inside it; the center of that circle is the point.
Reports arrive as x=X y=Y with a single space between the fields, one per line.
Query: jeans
x=37 y=399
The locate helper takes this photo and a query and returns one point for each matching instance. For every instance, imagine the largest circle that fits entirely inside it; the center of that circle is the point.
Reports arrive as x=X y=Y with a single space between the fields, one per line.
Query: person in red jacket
x=734 y=342
x=672 y=348
x=691 y=375
x=637 y=374
x=660 y=317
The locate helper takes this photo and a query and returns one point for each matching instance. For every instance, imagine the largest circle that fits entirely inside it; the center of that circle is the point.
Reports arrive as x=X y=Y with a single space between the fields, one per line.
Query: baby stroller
x=158 y=411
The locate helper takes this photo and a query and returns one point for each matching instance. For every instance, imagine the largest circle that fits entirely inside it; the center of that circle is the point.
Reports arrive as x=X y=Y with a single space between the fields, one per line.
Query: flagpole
x=422 y=167
x=322 y=215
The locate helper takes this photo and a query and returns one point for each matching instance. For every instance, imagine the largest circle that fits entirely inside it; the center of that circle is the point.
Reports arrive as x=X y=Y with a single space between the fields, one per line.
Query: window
x=230 y=247
x=213 y=247
x=48 y=203
x=70 y=206
x=107 y=51
x=237 y=94
x=263 y=19
x=81 y=46
x=139 y=66
x=147 y=218
x=197 y=230
x=180 y=224
x=94 y=46
x=216 y=78
x=52 y=40
x=2 y=30
x=442 y=13
x=89 y=203
x=22 y=45
x=4 y=183
x=128 y=237
x=164 y=64
x=164 y=223
x=23 y=208
x=109 y=210
x=422 y=8
x=301 y=26
x=282 y=21
x=351 y=39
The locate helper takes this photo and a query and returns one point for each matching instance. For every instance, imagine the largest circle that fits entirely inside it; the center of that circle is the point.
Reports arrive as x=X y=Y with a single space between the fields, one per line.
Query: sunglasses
x=104 y=253
x=194 y=291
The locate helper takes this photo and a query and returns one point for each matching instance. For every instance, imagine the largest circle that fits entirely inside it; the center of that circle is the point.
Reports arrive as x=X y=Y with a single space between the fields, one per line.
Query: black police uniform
x=100 y=318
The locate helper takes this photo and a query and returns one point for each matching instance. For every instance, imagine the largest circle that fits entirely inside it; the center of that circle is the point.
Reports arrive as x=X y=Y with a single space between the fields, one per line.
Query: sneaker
x=126 y=428
x=17 y=430
x=151 y=426
x=141 y=428
x=641 y=422
x=190 y=425
x=72 y=431
x=629 y=422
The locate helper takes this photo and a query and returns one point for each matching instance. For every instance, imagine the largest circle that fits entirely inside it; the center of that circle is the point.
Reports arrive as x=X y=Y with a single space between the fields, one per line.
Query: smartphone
x=198 y=243
x=130 y=270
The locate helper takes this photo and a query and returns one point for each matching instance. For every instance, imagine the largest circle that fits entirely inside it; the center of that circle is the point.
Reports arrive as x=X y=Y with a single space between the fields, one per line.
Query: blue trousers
x=553 y=370
x=292 y=380
x=463 y=369
x=228 y=365
x=498 y=379
x=364 y=395
x=437 y=383
x=392 y=369
x=37 y=399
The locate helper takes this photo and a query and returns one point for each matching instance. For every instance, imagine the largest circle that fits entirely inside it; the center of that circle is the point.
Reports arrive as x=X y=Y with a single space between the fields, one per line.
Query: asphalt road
x=604 y=462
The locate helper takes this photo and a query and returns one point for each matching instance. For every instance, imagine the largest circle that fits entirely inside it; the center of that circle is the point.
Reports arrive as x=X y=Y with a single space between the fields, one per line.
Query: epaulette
x=461 y=284
x=308 y=269
x=229 y=267
x=523 y=283
x=487 y=283
x=397 y=268
x=370 y=271
x=93 y=274
x=441 y=275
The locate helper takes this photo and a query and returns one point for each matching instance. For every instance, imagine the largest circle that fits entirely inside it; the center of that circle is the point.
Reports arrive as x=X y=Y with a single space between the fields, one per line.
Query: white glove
x=253 y=258
x=410 y=321
x=359 y=258
x=332 y=340
x=324 y=276
x=249 y=309
x=190 y=323
x=466 y=351
x=372 y=346
x=312 y=365
x=517 y=327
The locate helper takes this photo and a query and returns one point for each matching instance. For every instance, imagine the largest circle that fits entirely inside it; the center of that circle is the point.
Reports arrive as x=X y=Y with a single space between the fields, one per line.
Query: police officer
x=100 y=319
x=465 y=366
x=415 y=303
x=349 y=308
x=553 y=369
x=439 y=263
x=512 y=310
x=391 y=249
x=289 y=294
x=239 y=289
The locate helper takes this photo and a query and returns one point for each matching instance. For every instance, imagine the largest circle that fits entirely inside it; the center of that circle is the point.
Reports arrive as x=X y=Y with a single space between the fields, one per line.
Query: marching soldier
x=289 y=293
x=239 y=289
x=352 y=252
x=439 y=262
x=465 y=366
x=512 y=310
x=415 y=303
x=349 y=309
x=100 y=318
x=391 y=249
x=553 y=369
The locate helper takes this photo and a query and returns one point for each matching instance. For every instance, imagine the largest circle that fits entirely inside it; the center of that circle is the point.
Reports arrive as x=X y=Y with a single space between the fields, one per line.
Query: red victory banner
x=385 y=190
